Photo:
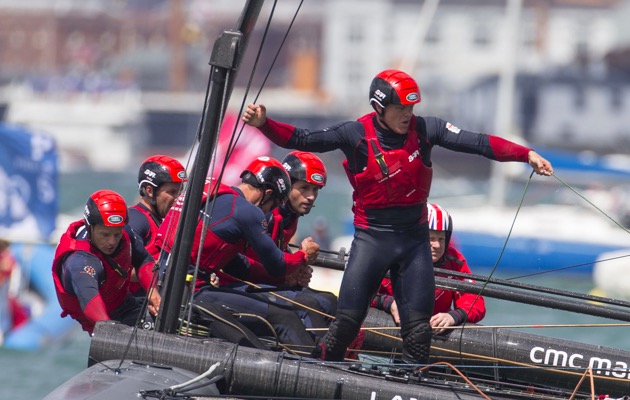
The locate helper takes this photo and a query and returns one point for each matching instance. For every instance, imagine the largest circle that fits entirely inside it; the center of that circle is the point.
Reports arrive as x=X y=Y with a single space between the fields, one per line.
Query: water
x=32 y=375
x=581 y=327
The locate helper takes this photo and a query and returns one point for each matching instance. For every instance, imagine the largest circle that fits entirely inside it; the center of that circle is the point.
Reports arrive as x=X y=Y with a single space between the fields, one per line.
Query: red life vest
x=114 y=290
x=282 y=236
x=150 y=245
x=215 y=252
x=136 y=287
x=391 y=178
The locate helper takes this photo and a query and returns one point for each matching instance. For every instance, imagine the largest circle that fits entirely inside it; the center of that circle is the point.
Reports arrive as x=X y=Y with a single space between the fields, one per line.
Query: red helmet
x=267 y=172
x=105 y=207
x=305 y=166
x=157 y=170
x=440 y=220
x=394 y=87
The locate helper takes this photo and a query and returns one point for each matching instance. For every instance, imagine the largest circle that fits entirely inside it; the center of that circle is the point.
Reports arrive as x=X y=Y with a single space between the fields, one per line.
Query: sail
x=251 y=144
x=28 y=176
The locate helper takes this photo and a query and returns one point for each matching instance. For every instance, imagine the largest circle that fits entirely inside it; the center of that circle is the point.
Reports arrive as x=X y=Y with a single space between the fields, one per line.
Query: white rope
x=200 y=377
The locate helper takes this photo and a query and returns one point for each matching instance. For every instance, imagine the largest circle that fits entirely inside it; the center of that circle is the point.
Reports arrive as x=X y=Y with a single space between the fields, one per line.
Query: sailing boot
x=332 y=347
x=417 y=345
x=329 y=348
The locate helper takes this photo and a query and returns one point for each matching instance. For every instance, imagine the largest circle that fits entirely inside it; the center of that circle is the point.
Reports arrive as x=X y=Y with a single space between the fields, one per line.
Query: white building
x=465 y=40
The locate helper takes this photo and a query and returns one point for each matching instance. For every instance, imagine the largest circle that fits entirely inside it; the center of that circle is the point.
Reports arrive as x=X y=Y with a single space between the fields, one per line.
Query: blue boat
x=555 y=229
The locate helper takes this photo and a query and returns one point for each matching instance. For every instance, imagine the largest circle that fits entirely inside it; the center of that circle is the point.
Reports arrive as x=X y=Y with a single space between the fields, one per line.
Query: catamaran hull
x=118 y=380
x=525 y=358
x=250 y=371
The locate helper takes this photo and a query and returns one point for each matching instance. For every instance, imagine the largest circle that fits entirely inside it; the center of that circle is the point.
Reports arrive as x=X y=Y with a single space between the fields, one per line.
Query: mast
x=410 y=60
x=504 y=120
x=225 y=59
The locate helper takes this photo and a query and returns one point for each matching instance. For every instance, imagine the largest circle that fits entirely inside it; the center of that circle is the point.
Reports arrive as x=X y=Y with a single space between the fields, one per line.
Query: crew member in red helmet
x=231 y=220
x=388 y=164
x=160 y=181
x=93 y=265
x=308 y=176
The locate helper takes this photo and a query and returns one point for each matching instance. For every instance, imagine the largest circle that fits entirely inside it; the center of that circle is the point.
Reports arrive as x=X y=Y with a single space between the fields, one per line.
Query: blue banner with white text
x=28 y=182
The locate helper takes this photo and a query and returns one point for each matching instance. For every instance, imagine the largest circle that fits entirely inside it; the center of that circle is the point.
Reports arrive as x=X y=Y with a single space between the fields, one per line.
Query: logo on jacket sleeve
x=452 y=128
x=89 y=270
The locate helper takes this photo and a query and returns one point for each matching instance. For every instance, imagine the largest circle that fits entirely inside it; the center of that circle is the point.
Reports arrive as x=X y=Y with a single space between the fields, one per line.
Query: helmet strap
x=151 y=196
x=264 y=199
x=88 y=229
x=381 y=119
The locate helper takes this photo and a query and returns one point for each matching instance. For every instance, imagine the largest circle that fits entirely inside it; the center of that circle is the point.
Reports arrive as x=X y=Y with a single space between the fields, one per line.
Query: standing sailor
x=388 y=163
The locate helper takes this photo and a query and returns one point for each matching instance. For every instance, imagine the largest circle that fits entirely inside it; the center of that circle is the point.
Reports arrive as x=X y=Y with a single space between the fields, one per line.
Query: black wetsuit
x=387 y=237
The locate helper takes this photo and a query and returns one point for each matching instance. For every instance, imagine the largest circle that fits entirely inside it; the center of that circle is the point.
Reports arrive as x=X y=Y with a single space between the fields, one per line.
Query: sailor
x=308 y=177
x=12 y=313
x=232 y=219
x=388 y=163
x=160 y=181
x=451 y=306
x=94 y=262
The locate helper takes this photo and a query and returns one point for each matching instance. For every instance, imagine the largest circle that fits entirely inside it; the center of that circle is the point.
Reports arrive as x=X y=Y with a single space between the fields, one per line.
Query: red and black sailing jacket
x=114 y=290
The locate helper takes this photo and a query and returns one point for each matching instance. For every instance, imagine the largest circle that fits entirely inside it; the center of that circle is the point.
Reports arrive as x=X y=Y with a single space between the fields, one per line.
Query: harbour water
x=31 y=375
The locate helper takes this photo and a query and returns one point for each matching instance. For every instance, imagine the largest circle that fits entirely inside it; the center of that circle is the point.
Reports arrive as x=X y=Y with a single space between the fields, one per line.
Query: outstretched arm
x=541 y=165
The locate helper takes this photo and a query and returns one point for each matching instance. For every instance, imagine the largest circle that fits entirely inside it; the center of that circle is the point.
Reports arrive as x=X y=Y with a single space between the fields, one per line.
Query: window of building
x=355 y=33
x=40 y=39
x=17 y=39
x=616 y=100
x=481 y=35
x=529 y=34
x=579 y=97
x=433 y=35
x=354 y=73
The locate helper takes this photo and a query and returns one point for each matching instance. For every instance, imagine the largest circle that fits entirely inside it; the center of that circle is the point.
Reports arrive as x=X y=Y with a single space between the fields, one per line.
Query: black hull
x=529 y=358
x=115 y=380
x=270 y=374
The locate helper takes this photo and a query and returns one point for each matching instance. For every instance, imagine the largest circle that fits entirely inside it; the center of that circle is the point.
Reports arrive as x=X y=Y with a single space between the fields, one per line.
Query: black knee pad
x=416 y=343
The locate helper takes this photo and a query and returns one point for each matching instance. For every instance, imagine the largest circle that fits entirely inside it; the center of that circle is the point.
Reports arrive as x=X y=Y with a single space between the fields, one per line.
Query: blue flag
x=28 y=178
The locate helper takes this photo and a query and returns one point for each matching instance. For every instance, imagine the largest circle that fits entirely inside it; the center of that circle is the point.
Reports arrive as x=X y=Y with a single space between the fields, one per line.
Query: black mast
x=226 y=56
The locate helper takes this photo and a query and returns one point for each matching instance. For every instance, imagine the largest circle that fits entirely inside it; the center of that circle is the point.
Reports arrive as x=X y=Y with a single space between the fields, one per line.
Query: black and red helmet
x=267 y=172
x=394 y=87
x=105 y=207
x=305 y=166
x=158 y=170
